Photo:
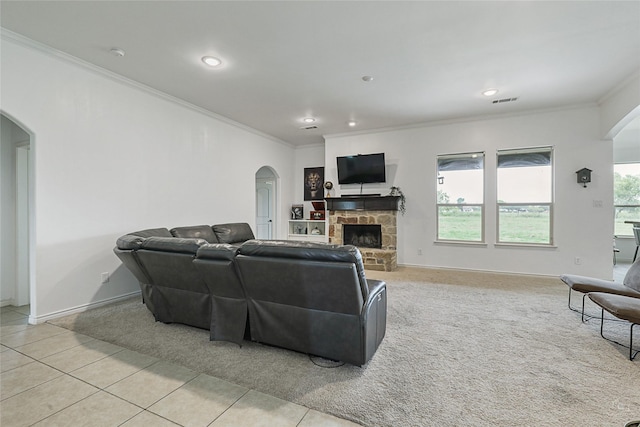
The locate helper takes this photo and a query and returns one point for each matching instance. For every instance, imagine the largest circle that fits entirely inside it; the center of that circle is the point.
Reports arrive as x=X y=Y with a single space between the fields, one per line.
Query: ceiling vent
x=309 y=127
x=503 y=100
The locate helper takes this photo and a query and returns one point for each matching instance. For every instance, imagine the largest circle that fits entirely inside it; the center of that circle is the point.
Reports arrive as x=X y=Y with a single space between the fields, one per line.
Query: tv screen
x=361 y=169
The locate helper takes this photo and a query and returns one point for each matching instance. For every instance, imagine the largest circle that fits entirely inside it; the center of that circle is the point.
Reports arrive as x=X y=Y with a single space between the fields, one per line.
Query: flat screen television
x=361 y=169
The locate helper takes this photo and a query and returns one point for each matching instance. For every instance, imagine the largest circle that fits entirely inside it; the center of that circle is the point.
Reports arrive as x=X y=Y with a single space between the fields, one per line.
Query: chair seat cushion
x=623 y=307
x=589 y=284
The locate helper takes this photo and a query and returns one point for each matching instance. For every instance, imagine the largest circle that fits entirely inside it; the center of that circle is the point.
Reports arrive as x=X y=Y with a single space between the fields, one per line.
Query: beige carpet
x=461 y=349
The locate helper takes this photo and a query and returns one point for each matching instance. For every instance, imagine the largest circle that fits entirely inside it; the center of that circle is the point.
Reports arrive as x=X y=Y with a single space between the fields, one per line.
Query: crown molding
x=468 y=119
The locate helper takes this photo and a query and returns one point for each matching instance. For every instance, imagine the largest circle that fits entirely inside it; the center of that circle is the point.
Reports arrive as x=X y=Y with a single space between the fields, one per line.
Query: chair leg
x=632 y=353
x=636 y=254
x=582 y=315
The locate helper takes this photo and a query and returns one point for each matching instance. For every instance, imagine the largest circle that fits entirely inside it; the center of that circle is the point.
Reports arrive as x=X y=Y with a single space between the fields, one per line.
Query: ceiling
x=287 y=60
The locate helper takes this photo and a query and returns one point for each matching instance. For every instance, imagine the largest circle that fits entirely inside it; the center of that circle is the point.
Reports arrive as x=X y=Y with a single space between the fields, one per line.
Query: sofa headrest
x=299 y=250
x=153 y=232
x=217 y=251
x=308 y=250
x=195 y=232
x=233 y=232
x=173 y=244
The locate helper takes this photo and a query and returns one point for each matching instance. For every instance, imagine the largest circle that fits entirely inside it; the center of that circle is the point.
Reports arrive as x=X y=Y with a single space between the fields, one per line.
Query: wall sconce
x=584 y=176
x=440 y=179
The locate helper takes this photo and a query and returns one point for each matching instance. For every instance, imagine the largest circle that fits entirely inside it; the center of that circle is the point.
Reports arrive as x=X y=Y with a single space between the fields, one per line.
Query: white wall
x=581 y=230
x=111 y=158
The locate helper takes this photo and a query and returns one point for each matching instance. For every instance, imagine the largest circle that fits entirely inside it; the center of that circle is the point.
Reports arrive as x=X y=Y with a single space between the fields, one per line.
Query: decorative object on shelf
x=318 y=213
x=316 y=231
x=313 y=179
x=396 y=191
x=328 y=186
x=584 y=176
x=297 y=211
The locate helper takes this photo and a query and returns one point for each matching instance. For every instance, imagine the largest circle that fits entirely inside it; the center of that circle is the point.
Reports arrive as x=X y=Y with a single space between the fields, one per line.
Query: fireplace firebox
x=363 y=236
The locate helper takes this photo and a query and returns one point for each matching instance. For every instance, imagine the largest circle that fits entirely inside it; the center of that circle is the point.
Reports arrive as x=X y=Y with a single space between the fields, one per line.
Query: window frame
x=481 y=206
x=615 y=206
x=550 y=205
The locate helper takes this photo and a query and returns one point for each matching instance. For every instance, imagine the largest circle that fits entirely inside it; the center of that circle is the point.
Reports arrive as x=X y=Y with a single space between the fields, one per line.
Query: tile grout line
x=230 y=406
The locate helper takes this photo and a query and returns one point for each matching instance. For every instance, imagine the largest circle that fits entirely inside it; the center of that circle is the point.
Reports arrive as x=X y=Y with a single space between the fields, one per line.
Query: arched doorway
x=16 y=264
x=266 y=196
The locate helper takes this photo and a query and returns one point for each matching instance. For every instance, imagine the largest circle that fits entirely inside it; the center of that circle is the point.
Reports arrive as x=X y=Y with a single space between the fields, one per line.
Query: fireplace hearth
x=363 y=236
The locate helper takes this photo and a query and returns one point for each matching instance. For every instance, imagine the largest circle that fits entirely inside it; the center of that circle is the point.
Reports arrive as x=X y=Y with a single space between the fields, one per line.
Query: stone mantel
x=363 y=203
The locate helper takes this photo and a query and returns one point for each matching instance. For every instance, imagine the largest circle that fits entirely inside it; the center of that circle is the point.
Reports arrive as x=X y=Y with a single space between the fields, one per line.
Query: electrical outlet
x=597 y=203
x=419 y=251
x=104 y=277
x=577 y=260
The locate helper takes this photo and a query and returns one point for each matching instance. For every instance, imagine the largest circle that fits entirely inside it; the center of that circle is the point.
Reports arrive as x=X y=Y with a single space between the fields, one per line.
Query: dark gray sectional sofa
x=309 y=297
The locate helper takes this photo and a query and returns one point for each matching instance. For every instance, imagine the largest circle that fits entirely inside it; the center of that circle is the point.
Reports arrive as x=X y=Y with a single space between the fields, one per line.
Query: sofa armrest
x=375 y=286
x=129 y=242
x=153 y=232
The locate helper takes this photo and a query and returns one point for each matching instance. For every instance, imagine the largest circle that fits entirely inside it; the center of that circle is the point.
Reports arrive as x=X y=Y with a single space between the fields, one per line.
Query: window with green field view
x=525 y=196
x=626 y=197
x=460 y=193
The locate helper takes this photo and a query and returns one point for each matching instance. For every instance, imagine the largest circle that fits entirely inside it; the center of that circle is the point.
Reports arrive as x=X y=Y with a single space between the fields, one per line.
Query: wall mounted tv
x=361 y=169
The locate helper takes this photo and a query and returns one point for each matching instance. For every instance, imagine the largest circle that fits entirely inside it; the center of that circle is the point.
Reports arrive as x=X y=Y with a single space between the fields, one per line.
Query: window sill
x=524 y=245
x=459 y=243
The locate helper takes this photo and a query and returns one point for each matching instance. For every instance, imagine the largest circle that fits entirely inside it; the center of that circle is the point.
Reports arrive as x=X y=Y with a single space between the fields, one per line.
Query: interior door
x=264 y=209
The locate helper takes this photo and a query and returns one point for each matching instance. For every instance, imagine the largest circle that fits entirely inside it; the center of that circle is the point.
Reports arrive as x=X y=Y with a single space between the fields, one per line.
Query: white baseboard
x=473 y=270
x=79 y=309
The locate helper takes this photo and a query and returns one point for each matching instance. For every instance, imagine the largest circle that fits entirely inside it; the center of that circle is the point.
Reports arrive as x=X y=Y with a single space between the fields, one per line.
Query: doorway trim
x=30 y=239
x=266 y=174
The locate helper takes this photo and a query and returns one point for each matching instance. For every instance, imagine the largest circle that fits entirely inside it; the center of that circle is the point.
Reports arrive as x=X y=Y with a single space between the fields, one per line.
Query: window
x=626 y=197
x=460 y=203
x=525 y=196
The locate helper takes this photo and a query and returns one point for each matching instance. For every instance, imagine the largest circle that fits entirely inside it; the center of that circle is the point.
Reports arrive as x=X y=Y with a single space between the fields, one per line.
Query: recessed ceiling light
x=490 y=92
x=351 y=123
x=211 y=61
x=367 y=78
x=116 y=51
x=308 y=120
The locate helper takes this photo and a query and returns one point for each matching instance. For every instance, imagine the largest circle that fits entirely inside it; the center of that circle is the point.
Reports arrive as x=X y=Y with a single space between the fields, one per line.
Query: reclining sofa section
x=313 y=298
x=309 y=297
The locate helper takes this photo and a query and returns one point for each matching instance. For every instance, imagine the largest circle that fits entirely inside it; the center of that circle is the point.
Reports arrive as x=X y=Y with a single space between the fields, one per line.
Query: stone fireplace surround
x=383 y=259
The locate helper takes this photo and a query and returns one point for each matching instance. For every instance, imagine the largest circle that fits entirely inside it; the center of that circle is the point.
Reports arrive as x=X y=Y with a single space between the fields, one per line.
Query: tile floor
x=51 y=376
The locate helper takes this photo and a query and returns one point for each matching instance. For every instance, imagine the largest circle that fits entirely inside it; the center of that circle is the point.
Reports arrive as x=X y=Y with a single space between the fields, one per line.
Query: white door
x=264 y=208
